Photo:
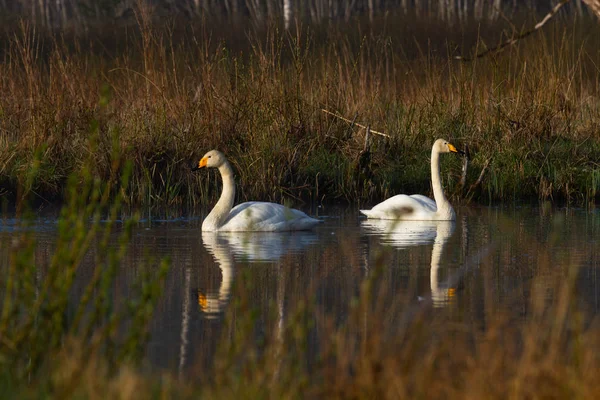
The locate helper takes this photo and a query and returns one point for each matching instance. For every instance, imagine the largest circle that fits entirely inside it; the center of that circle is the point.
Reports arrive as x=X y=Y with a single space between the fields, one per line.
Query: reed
x=38 y=320
x=173 y=92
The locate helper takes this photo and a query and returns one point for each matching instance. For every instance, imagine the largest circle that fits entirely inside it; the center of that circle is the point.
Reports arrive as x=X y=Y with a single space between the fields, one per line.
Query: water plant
x=42 y=315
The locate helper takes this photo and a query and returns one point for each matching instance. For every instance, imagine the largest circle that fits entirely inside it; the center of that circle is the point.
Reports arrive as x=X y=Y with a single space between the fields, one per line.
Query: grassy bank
x=171 y=91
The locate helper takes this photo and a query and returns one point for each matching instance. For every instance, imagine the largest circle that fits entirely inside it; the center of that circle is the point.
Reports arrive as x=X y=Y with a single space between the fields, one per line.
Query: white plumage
x=417 y=207
x=249 y=216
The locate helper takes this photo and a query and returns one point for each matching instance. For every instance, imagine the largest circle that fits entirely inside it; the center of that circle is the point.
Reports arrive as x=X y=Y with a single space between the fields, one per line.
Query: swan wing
x=425 y=201
x=271 y=217
x=401 y=206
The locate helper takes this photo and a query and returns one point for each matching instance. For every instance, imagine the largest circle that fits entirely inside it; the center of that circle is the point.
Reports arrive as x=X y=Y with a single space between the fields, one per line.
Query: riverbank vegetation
x=113 y=117
x=48 y=340
x=169 y=91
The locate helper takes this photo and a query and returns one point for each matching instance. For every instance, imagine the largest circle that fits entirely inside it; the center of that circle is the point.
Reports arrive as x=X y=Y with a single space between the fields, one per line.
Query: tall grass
x=39 y=321
x=177 y=91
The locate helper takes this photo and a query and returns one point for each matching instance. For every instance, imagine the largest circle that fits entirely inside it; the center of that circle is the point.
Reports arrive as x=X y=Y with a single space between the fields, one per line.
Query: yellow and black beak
x=454 y=149
x=202 y=301
x=201 y=164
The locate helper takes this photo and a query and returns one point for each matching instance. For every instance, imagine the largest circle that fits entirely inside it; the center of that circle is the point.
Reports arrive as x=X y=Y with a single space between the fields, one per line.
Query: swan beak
x=201 y=164
x=454 y=150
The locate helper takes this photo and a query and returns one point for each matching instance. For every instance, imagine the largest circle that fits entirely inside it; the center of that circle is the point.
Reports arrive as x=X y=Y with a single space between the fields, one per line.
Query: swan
x=249 y=216
x=417 y=207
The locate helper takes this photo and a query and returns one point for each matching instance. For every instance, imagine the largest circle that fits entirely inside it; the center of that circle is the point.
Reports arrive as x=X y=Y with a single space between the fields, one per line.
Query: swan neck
x=436 y=182
x=221 y=210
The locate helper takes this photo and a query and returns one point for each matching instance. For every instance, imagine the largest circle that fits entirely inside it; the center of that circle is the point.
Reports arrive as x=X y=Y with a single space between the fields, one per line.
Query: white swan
x=249 y=216
x=417 y=207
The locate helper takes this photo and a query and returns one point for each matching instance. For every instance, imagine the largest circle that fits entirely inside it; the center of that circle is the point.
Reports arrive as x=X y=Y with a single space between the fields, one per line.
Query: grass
x=38 y=320
x=157 y=96
x=367 y=347
x=173 y=91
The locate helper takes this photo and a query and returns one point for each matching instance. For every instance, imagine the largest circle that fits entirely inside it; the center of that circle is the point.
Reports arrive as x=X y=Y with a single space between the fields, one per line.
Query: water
x=488 y=258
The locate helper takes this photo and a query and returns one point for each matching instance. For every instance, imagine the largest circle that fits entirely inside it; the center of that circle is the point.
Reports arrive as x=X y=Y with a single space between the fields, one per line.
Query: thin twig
x=355 y=123
x=480 y=179
x=515 y=39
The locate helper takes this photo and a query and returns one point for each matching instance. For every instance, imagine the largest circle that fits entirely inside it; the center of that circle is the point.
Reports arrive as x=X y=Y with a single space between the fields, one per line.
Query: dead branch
x=515 y=39
x=480 y=179
x=355 y=123
x=366 y=148
x=348 y=133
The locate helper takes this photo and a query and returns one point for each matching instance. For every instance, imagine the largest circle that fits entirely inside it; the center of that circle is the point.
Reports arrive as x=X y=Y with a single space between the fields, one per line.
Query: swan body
x=417 y=207
x=249 y=216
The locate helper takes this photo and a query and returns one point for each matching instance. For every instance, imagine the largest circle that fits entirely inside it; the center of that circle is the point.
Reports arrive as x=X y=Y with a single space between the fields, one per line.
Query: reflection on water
x=404 y=234
x=531 y=250
x=226 y=247
x=213 y=303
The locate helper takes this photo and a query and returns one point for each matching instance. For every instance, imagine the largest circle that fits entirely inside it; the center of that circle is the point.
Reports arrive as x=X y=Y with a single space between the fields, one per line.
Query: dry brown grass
x=170 y=92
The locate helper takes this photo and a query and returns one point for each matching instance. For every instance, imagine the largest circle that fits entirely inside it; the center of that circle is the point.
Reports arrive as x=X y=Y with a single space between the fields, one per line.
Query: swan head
x=212 y=159
x=444 y=146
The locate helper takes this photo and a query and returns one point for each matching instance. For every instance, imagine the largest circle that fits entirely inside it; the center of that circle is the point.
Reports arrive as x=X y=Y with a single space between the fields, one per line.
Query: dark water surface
x=488 y=258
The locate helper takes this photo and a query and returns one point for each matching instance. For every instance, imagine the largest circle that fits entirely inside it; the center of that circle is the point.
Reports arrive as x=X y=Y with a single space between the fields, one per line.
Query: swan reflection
x=405 y=234
x=228 y=247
